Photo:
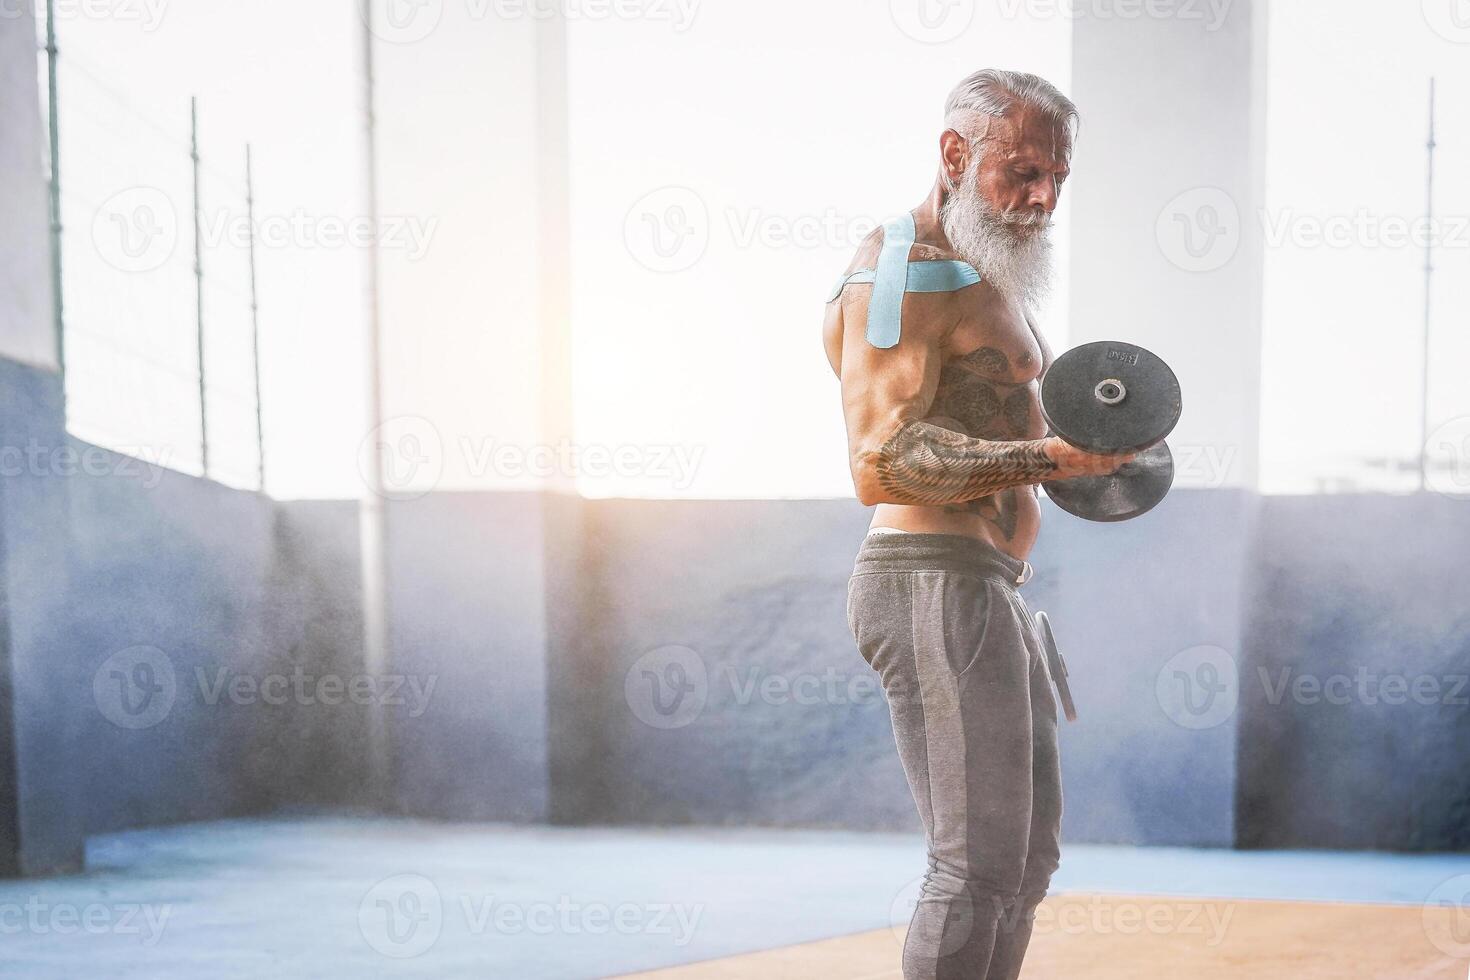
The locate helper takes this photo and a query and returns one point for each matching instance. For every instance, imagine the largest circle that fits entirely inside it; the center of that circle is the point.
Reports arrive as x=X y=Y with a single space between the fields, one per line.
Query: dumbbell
x=1112 y=398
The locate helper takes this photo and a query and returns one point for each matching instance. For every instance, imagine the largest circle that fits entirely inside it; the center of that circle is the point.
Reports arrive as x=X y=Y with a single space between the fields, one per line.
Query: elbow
x=866 y=481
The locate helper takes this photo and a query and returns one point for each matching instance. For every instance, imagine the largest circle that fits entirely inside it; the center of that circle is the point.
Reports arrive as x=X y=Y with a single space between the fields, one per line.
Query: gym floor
x=313 y=897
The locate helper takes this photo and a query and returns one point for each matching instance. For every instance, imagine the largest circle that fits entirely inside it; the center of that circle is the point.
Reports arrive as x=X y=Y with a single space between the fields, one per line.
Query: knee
x=1037 y=878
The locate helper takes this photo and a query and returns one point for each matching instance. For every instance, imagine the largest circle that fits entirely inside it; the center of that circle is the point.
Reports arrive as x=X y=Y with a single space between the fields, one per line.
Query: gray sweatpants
x=939 y=618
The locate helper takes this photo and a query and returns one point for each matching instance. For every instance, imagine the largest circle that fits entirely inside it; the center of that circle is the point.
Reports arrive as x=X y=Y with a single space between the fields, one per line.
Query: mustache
x=1030 y=218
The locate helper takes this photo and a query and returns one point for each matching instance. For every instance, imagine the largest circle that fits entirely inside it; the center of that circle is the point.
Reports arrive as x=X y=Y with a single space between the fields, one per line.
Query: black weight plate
x=1056 y=666
x=1133 y=491
x=1146 y=413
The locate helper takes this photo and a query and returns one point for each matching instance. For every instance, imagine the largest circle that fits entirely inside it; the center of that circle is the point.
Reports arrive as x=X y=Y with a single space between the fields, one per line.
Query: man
x=932 y=337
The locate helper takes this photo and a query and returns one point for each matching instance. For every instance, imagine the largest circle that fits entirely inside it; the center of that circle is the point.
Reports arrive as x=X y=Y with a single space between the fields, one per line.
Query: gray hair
x=993 y=92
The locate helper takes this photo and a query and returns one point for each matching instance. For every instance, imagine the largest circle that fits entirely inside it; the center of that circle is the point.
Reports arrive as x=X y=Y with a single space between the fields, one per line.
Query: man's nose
x=1044 y=195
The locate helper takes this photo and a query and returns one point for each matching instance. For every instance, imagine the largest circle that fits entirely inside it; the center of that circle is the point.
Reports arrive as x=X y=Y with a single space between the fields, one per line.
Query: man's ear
x=954 y=155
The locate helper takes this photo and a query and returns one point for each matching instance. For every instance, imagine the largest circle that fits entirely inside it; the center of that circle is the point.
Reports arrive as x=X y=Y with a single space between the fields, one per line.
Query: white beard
x=1011 y=249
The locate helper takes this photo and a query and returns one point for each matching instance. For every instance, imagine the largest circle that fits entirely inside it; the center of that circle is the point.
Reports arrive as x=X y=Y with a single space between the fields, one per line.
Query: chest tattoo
x=972 y=399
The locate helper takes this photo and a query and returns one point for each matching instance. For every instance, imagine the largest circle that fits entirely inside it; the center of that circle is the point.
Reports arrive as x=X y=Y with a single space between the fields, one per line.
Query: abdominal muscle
x=1017 y=510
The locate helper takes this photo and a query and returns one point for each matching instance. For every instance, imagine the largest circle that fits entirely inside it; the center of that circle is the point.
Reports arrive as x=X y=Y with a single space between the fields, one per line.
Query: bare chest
x=988 y=381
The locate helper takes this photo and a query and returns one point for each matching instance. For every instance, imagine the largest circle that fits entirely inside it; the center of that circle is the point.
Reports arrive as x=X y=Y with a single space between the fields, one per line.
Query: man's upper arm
x=881 y=389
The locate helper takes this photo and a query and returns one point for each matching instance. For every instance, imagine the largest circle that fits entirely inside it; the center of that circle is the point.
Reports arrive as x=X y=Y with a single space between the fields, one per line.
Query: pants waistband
x=939 y=553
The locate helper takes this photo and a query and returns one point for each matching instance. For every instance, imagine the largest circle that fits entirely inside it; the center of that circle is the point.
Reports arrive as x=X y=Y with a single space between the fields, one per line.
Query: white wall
x=781 y=132
x=458 y=149
x=1168 y=170
x=26 y=331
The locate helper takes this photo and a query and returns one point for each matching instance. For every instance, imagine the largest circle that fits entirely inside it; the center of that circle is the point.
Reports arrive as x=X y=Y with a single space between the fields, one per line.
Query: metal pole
x=1428 y=299
x=58 y=313
x=374 y=527
x=254 y=313
x=199 y=284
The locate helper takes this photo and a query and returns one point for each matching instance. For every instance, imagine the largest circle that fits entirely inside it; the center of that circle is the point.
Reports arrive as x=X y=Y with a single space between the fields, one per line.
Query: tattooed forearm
x=927 y=464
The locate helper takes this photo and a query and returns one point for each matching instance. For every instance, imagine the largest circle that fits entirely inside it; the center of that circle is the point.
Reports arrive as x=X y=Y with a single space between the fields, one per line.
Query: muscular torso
x=991 y=364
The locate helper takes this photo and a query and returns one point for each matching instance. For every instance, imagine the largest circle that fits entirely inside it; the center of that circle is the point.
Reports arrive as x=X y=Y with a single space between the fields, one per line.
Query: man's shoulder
x=868 y=251
x=871 y=247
